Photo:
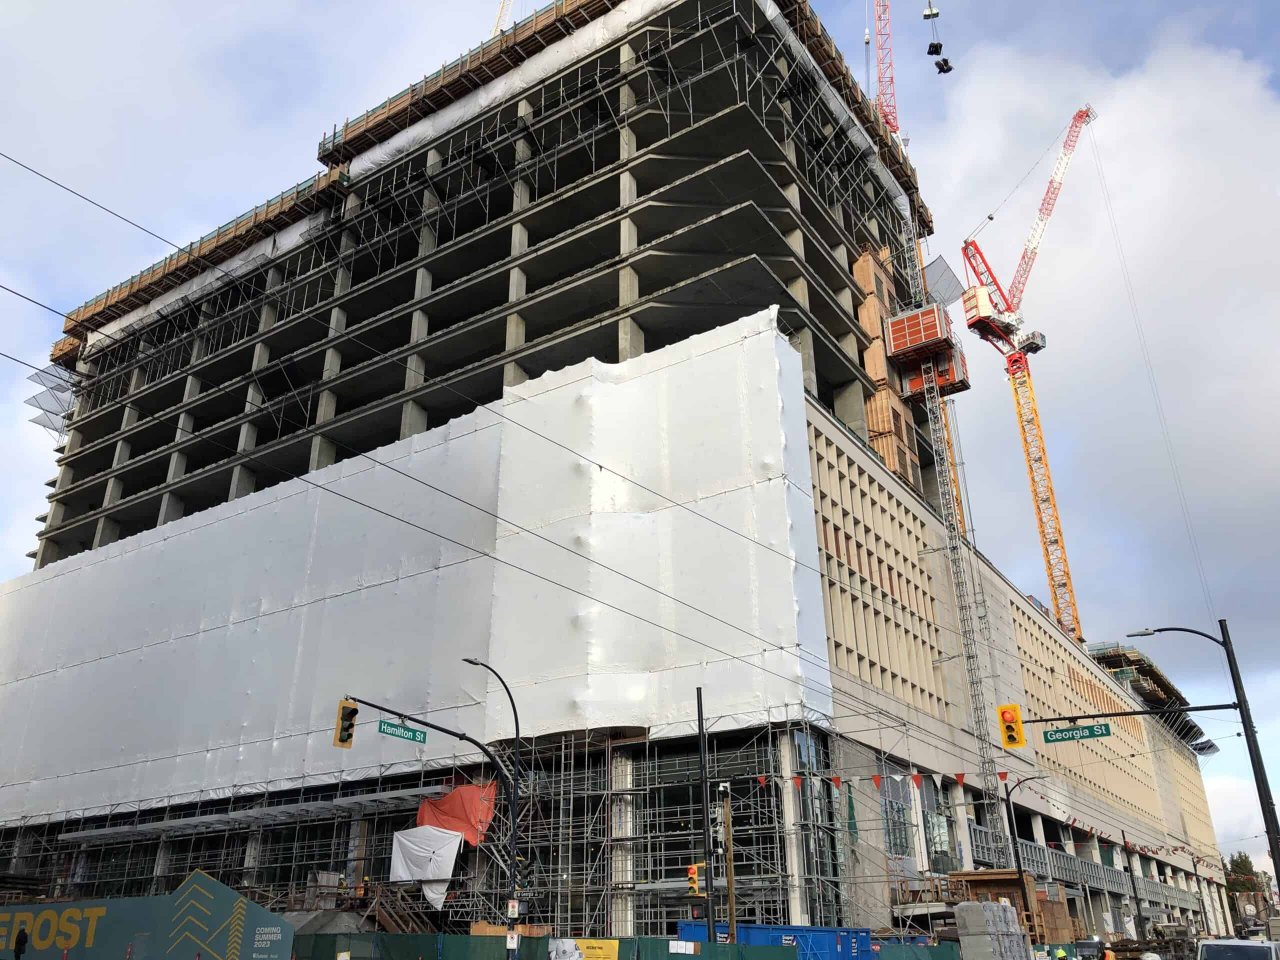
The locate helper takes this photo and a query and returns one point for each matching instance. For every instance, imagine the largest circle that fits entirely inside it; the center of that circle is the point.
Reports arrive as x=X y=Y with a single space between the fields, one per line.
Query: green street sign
x=402 y=732
x=1077 y=733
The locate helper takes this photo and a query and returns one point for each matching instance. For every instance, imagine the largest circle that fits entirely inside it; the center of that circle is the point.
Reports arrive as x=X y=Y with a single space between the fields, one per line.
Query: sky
x=182 y=118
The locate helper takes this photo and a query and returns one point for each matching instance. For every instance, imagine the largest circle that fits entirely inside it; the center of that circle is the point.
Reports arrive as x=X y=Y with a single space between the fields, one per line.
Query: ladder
x=972 y=606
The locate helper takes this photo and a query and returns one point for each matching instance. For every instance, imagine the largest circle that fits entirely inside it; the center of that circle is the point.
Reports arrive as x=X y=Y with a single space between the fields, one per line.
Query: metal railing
x=1062 y=866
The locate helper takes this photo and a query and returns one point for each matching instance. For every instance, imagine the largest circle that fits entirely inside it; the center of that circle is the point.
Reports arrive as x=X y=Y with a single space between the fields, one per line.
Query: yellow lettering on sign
x=93 y=915
x=69 y=928
x=44 y=930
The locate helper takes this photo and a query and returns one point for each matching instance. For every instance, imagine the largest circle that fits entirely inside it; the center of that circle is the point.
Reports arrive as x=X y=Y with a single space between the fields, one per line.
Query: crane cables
x=1136 y=316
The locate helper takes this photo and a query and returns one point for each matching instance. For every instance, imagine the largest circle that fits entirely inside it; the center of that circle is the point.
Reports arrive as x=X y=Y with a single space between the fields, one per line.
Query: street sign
x=402 y=732
x=1077 y=733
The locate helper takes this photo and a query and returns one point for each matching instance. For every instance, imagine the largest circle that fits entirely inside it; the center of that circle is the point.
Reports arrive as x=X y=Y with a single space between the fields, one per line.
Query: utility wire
x=982 y=225
x=1152 y=382
x=870 y=598
x=849 y=700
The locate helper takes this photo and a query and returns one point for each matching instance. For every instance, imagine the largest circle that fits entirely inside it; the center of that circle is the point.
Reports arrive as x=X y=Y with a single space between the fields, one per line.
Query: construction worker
x=1107 y=952
x=1060 y=954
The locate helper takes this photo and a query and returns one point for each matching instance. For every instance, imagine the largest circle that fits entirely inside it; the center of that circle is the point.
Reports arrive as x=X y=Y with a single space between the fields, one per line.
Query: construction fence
x=393 y=946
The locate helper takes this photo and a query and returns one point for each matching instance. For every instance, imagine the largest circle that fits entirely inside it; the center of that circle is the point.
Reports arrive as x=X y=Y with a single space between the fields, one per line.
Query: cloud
x=184 y=120
x=1237 y=819
x=1183 y=138
x=1196 y=208
x=180 y=118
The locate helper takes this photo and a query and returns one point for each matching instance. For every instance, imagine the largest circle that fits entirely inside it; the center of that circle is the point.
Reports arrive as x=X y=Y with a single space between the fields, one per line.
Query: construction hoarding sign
x=201 y=918
x=565 y=949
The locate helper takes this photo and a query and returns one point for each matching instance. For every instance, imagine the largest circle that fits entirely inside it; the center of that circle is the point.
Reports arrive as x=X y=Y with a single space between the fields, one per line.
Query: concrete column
x=802 y=340
x=252 y=857
x=630 y=339
x=346 y=243
x=413 y=418
x=799 y=289
x=1037 y=830
x=795 y=240
x=357 y=852
x=243 y=482
x=851 y=408
x=1224 y=912
x=622 y=909
x=107 y=531
x=270 y=309
x=1068 y=840
x=47 y=552
x=524 y=147
x=164 y=856
x=628 y=146
x=73 y=441
x=66 y=474
x=1089 y=850
x=921 y=839
x=628 y=193
x=959 y=804
x=628 y=236
x=797 y=902
x=114 y=491
x=512 y=372
x=628 y=286
x=171 y=508
x=323 y=450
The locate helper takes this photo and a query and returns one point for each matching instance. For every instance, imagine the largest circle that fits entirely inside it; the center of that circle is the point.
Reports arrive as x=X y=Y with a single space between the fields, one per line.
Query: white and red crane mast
x=996 y=316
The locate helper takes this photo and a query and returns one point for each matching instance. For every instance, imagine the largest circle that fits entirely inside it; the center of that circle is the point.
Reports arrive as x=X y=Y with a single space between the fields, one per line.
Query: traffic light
x=692 y=870
x=1009 y=720
x=344 y=727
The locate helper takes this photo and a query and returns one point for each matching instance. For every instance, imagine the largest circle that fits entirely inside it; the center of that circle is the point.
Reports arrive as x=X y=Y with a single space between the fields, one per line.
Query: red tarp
x=466 y=810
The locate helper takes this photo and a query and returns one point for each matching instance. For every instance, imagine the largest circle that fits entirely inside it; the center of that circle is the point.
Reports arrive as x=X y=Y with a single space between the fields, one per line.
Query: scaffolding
x=354 y=278
x=609 y=822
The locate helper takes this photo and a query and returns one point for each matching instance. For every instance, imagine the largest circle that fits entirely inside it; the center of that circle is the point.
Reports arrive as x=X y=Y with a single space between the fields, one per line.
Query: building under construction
x=572 y=360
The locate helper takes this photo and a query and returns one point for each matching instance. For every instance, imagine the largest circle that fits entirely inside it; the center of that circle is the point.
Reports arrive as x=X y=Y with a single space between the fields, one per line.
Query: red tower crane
x=996 y=316
x=886 y=99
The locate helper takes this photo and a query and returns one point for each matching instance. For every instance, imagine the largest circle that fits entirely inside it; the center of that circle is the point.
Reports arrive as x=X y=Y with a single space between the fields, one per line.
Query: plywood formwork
x=210 y=250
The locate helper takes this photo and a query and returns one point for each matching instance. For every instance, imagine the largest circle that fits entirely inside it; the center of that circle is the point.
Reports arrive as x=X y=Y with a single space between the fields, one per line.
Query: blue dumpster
x=811 y=943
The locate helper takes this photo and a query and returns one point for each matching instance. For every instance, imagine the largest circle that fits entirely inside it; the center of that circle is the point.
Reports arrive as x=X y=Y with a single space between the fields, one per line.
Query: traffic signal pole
x=508 y=782
x=706 y=821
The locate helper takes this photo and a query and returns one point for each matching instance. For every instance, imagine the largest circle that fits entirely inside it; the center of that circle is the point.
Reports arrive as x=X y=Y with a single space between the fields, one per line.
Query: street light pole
x=1013 y=825
x=1013 y=830
x=513 y=796
x=1269 y=821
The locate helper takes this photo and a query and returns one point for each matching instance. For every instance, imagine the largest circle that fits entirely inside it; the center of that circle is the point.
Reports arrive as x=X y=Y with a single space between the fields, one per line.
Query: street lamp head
x=473 y=661
x=1148 y=632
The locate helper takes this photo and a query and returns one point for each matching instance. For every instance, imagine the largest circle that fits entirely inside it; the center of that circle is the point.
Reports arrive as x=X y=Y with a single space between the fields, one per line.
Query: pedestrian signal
x=344 y=727
x=1009 y=721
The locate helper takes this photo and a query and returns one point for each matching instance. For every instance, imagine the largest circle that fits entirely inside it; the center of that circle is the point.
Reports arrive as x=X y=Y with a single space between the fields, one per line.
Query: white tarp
x=205 y=658
x=427 y=854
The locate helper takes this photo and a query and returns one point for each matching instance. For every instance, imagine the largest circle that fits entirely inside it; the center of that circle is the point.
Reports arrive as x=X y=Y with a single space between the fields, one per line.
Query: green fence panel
x=946 y=950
